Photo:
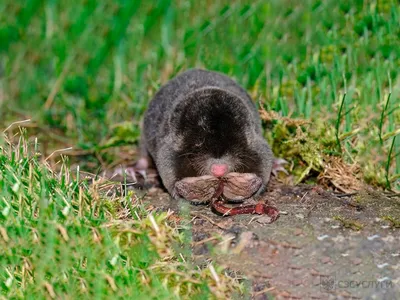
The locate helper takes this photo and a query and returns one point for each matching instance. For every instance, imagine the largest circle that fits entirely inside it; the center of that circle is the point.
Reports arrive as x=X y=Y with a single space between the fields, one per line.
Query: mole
x=202 y=128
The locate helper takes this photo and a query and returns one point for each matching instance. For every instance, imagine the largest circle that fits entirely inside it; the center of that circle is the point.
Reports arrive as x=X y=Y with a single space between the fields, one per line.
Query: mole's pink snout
x=219 y=170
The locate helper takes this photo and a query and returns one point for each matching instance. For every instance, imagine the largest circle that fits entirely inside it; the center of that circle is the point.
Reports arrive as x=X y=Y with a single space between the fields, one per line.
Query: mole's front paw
x=236 y=187
x=197 y=189
x=240 y=186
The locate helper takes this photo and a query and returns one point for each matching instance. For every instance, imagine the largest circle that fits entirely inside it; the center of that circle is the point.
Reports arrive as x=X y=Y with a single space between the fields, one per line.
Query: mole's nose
x=219 y=170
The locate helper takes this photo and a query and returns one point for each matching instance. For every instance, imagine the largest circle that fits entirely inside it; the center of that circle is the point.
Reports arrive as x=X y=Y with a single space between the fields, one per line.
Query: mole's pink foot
x=139 y=173
x=129 y=173
x=278 y=166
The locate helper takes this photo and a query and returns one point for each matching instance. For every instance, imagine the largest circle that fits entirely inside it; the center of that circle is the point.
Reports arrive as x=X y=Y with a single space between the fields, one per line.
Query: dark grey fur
x=199 y=118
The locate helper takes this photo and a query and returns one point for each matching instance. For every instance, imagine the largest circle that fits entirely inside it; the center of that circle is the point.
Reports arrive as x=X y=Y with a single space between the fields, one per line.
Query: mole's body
x=202 y=126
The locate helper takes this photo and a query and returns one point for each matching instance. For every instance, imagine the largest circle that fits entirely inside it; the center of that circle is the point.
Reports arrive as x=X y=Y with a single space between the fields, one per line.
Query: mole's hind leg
x=145 y=162
x=145 y=167
x=138 y=174
x=277 y=166
x=142 y=173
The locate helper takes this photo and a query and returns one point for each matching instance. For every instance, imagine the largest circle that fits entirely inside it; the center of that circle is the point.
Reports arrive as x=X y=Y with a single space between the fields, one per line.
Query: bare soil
x=324 y=245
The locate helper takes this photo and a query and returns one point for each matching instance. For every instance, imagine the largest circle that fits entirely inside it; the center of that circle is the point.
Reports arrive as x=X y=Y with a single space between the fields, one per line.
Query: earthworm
x=260 y=208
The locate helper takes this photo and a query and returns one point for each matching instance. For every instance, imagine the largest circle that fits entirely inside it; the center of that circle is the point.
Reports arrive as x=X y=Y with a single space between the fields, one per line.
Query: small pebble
x=381 y=266
x=265 y=219
x=383 y=279
x=356 y=261
x=326 y=259
x=322 y=237
x=373 y=237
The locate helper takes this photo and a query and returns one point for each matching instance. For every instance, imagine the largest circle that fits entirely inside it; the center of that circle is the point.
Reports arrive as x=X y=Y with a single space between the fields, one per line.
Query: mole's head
x=214 y=135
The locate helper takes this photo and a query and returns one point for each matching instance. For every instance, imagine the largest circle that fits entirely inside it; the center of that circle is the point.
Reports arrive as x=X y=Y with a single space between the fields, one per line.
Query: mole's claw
x=278 y=166
x=143 y=173
x=131 y=172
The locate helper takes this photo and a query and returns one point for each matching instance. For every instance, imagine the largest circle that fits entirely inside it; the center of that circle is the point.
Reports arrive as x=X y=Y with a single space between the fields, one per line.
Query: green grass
x=83 y=74
x=81 y=71
x=62 y=237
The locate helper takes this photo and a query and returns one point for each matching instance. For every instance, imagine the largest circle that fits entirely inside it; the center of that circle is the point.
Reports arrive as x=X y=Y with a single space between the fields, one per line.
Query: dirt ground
x=324 y=245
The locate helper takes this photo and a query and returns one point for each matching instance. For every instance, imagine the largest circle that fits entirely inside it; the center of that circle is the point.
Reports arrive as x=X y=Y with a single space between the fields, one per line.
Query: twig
x=208 y=219
x=266 y=290
x=16 y=123
x=59 y=150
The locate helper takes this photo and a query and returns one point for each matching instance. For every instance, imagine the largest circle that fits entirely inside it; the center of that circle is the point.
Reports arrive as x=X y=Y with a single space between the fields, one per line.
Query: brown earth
x=324 y=245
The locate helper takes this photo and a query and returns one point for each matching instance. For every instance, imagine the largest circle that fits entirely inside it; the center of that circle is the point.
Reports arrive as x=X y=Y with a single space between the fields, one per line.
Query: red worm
x=260 y=208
